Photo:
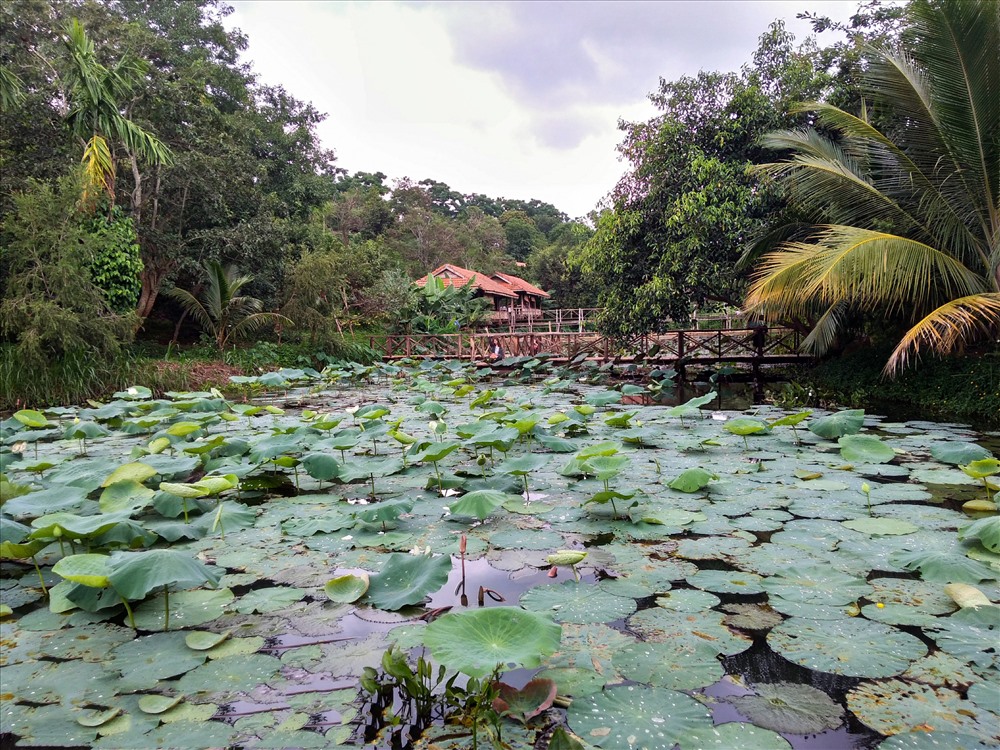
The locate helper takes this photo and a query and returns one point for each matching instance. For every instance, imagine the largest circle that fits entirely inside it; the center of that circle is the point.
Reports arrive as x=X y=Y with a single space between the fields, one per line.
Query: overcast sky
x=512 y=99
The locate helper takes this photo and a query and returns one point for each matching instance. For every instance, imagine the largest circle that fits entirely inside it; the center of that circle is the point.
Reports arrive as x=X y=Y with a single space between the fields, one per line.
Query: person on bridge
x=759 y=338
x=496 y=351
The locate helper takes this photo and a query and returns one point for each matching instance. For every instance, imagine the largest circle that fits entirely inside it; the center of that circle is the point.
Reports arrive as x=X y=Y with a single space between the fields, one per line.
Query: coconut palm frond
x=826 y=330
x=98 y=168
x=193 y=307
x=948 y=329
x=253 y=323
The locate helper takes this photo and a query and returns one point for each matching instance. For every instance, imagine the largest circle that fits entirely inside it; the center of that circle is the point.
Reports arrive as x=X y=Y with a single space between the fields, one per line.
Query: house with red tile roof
x=508 y=293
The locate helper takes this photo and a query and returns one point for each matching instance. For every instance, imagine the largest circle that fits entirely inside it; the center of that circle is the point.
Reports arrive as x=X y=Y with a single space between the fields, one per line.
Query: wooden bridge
x=678 y=349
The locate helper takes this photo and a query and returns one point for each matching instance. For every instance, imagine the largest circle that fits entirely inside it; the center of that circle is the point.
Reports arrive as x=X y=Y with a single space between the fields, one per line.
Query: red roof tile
x=519 y=284
x=462 y=276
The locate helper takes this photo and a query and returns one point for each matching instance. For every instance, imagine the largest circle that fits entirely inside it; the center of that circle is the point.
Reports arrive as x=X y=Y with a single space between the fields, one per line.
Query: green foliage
x=691 y=201
x=51 y=306
x=221 y=310
x=436 y=307
x=117 y=265
x=967 y=389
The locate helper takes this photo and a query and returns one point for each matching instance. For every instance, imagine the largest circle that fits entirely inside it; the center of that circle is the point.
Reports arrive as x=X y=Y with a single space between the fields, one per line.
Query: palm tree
x=221 y=310
x=93 y=92
x=908 y=217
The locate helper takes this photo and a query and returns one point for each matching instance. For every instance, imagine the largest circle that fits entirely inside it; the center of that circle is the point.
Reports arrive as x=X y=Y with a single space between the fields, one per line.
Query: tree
x=907 y=216
x=51 y=306
x=683 y=214
x=220 y=309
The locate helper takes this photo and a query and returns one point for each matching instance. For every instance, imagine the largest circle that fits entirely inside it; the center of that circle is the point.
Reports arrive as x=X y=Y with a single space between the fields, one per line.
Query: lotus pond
x=363 y=556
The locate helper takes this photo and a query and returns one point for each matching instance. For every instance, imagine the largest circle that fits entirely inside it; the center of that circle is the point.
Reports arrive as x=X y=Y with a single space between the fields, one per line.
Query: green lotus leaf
x=577 y=602
x=213 y=485
x=323 y=523
x=85 y=431
x=894 y=707
x=88 y=569
x=135 y=471
x=474 y=642
x=790 y=420
x=816 y=584
x=364 y=468
x=602 y=398
x=687 y=600
x=686 y=667
x=321 y=466
x=692 y=480
x=136 y=574
x=269 y=599
x=982 y=468
x=737 y=736
x=46 y=726
x=347 y=589
x=384 y=512
x=407 y=579
x=789 y=707
x=949 y=452
x=72 y=526
x=12 y=551
x=203 y=640
x=148 y=659
x=436 y=451
x=727 y=582
x=183 y=429
x=127 y=495
x=865 y=449
x=95 y=718
x=745 y=426
x=557 y=444
x=921 y=740
x=607 y=448
x=526 y=464
x=633 y=716
x=620 y=419
x=31 y=418
x=34 y=504
x=158 y=704
x=479 y=504
x=833 y=426
x=986 y=530
x=606 y=467
x=689 y=630
x=179 y=734
x=945 y=566
x=881 y=526
x=852 y=647
x=692 y=406
x=182 y=490
x=971 y=642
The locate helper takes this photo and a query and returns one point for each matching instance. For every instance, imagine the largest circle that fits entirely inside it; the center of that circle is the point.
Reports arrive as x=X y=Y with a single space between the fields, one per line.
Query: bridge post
x=680 y=355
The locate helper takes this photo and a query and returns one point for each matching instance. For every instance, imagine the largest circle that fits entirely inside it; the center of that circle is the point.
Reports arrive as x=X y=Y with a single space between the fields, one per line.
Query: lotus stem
x=128 y=609
x=166 y=609
x=296 y=470
x=41 y=579
x=371 y=477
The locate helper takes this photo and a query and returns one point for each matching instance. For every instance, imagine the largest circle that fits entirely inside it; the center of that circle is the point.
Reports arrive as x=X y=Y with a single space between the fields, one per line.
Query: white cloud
x=518 y=100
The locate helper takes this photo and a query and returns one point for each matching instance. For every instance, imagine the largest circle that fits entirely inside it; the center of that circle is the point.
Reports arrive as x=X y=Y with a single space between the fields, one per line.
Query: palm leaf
x=948 y=329
x=194 y=307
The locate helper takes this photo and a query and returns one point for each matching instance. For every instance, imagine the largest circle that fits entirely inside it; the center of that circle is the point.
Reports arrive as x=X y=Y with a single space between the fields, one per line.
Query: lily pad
x=686 y=667
x=856 y=648
x=347 y=589
x=633 y=716
x=407 y=579
x=865 y=449
x=474 y=642
x=881 y=526
x=894 y=707
x=789 y=707
x=577 y=602
x=833 y=426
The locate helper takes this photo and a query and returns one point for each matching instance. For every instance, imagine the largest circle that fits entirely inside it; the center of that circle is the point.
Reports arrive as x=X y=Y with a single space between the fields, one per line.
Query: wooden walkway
x=674 y=348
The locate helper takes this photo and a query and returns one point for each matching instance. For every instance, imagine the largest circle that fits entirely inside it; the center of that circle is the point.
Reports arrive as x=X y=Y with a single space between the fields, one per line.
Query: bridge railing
x=737 y=344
